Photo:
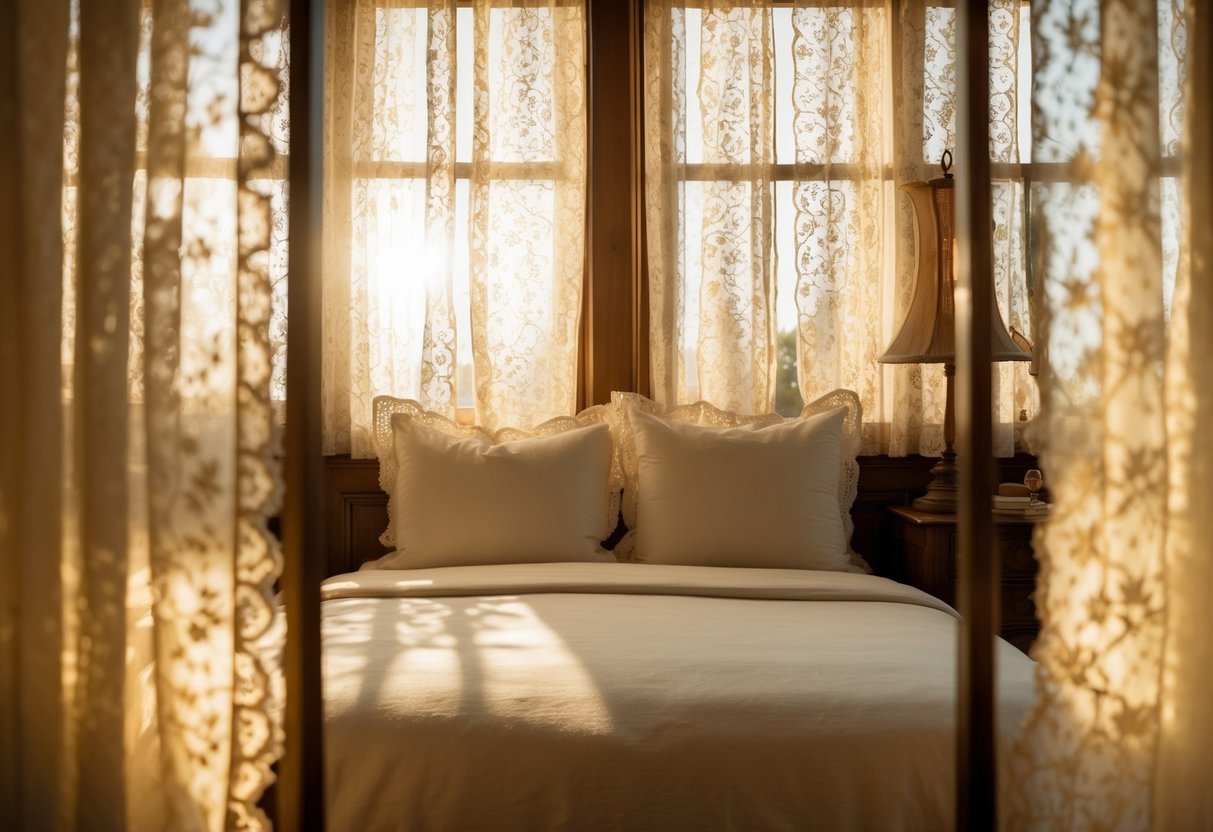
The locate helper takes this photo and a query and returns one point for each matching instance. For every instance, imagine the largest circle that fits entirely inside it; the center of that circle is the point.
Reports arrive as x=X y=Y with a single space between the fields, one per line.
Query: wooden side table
x=926 y=552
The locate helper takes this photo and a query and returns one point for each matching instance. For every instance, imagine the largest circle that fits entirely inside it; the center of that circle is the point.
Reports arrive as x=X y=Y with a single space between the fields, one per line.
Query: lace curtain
x=1119 y=738
x=772 y=165
x=139 y=686
x=454 y=210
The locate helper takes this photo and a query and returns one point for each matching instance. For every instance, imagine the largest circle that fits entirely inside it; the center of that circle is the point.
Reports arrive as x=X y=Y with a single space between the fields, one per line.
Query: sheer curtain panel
x=454 y=210
x=140 y=684
x=1122 y=734
x=777 y=135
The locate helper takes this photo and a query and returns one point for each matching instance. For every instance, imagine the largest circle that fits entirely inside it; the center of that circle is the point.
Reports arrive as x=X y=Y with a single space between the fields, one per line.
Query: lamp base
x=943 y=492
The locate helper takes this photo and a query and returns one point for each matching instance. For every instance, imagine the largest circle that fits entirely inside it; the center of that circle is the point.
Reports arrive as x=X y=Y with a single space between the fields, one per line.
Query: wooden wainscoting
x=356 y=507
x=356 y=513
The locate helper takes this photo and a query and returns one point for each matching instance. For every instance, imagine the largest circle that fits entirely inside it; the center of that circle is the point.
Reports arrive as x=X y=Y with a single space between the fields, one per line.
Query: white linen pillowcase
x=740 y=479
x=463 y=495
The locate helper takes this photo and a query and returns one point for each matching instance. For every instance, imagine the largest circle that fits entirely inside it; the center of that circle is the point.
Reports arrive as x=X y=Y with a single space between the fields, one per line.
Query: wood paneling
x=610 y=349
x=356 y=513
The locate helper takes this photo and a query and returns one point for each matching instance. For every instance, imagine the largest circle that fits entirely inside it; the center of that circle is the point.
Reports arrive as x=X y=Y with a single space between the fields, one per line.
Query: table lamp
x=928 y=334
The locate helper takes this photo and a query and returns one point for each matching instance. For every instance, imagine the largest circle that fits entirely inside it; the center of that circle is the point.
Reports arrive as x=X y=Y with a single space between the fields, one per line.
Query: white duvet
x=618 y=696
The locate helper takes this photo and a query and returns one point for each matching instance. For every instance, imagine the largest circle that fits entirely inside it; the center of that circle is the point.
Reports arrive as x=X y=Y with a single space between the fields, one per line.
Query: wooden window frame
x=614 y=353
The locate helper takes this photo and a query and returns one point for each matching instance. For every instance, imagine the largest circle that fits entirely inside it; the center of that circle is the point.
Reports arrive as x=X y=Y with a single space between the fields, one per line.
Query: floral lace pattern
x=702 y=413
x=256 y=731
x=734 y=321
x=163 y=220
x=403 y=206
x=386 y=407
x=712 y=204
x=1086 y=756
x=840 y=263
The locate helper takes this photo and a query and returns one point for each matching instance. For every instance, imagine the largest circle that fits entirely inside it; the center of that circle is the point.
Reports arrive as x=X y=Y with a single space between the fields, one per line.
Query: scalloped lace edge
x=703 y=413
x=384 y=408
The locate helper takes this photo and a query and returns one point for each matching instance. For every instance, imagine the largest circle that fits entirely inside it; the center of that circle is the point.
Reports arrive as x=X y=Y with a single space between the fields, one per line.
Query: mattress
x=583 y=696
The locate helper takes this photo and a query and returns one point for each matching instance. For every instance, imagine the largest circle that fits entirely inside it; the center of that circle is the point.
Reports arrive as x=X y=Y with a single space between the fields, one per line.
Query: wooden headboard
x=356 y=508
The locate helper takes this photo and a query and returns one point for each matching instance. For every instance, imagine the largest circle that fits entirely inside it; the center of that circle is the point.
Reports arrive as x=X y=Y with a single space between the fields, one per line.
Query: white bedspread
x=590 y=697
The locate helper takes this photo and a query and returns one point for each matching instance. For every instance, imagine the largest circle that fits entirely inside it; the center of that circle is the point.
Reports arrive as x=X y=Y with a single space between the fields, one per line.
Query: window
x=1063 y=266
x=391 y=175
x=456 y=211
x=773 y=140
x=792 y=169
x=209 y=279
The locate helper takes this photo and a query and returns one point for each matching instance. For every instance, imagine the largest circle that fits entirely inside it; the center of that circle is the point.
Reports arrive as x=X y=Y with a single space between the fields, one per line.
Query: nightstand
x=926 y=553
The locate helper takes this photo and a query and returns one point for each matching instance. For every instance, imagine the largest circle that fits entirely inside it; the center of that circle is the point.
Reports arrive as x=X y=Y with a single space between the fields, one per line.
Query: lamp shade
x=928 y=334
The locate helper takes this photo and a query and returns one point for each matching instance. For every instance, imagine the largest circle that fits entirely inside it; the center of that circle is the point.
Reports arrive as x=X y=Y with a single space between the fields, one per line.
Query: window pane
x=1024 y=72
x=1171 y=35
x=785 y=137
x=522 y=120
x=1172 y=217
x=465 y=391
x=694 y=114
x=692 y=271
x=398 y=127
x=822 y=59
x=939 y=84
x=463 y=84
x=788 y=400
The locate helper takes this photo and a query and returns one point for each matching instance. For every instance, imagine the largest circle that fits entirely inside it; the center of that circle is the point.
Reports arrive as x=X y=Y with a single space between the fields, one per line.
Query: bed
x=640 y=696
x=628 y=697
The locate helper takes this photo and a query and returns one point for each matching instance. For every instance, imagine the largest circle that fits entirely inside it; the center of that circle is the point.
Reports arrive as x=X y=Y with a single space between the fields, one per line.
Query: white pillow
x=465 y=496
x=708 y=487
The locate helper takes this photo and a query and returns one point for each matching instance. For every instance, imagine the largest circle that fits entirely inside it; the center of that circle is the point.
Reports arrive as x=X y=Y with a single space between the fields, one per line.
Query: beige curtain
x=454 y=210
x=776 y=139
x=139 y=688
x=1122 y=733
x=710 y=276
x=1185 y=747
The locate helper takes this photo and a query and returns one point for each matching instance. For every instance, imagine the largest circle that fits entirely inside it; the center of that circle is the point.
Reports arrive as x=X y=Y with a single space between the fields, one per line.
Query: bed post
x=301 y=779
x=977 y=557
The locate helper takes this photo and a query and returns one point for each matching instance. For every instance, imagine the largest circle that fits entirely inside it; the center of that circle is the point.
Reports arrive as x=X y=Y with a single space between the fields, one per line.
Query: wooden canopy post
x=977 y=556
x=301 y=779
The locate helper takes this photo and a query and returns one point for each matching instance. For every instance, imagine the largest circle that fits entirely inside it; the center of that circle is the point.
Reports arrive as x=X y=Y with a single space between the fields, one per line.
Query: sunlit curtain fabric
x=710 y=274
x=140 y=208
x=1122 y=735
x=776 y=139
x=454 y=210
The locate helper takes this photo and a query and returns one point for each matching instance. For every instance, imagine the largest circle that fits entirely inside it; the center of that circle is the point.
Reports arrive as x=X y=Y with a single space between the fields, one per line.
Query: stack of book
x=1019 y=506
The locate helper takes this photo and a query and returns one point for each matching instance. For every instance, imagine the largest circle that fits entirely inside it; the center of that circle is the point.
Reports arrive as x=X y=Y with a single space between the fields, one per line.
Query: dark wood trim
x=977 y=556
x=613 y=201
x=16 y=375
x=355 y=513
x=300 y=788
x=640 y=249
